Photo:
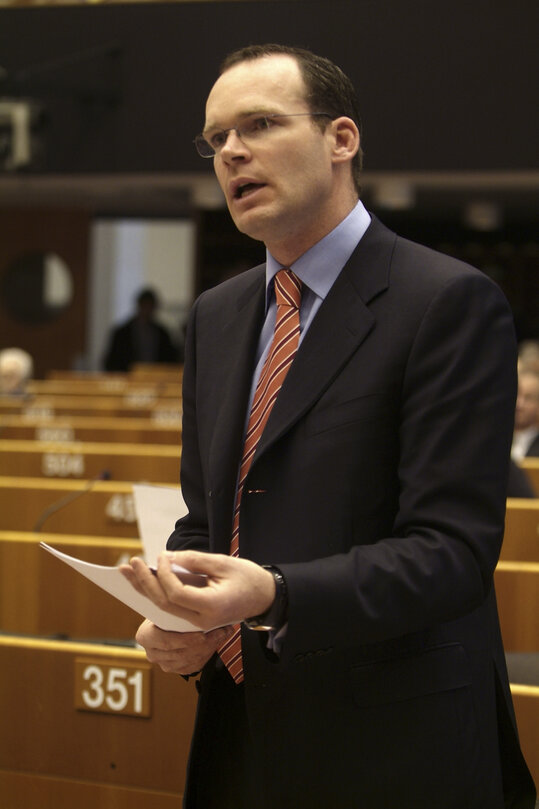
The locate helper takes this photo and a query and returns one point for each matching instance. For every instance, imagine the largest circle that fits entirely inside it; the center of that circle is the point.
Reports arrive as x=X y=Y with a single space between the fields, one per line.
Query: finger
x=146 y=582
x=212 y=564
x=187 y=597
x=128 y=573
x=191 y=656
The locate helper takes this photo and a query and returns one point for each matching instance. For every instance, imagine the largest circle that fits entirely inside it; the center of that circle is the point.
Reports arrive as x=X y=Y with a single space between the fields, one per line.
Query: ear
x=346 y=139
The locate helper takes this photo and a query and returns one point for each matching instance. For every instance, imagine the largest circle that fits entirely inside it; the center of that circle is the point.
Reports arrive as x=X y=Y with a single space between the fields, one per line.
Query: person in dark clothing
x=141 y=338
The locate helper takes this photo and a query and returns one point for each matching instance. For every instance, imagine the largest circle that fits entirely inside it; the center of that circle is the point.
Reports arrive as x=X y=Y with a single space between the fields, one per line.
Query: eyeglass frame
x=200 y=139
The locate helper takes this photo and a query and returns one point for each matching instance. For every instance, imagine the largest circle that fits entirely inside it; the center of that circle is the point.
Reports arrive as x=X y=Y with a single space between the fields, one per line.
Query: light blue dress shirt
x=317 y=269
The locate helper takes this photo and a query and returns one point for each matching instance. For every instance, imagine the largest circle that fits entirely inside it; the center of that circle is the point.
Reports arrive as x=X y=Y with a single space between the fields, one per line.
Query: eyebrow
x=245 y=114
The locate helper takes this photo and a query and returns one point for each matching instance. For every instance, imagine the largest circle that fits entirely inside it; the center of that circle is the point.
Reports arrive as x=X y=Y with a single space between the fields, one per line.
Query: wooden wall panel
x=56 y=343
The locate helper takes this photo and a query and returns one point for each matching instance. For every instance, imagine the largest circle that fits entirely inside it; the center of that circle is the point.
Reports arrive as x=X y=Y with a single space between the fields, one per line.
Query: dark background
x=447 y=92
x=442 y=85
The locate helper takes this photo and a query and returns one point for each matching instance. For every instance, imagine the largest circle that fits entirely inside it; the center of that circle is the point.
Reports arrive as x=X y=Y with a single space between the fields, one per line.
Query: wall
x=57 y=342
x=442 y=86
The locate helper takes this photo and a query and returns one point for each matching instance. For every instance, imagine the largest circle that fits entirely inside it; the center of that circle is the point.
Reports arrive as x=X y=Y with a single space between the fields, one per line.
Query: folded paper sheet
x=157 y=509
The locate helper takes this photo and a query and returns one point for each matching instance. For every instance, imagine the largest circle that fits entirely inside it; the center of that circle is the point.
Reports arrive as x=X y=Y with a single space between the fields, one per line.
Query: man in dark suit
x=141 y=338
x=371 y=513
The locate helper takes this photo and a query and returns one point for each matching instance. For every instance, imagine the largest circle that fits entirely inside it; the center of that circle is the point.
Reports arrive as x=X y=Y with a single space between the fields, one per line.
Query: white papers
x=113 y=581
x=157 y=509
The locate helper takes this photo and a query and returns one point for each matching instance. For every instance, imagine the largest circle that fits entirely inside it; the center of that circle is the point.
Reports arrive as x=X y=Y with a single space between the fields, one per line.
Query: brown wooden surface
x=103 y=508
x=140 y=372
x=517 y=592
x=113 y=405
x=23 y=791
x=521 y=538
x=531 y=466
x=58 y=342
x=40 y=595
x=526 y=702
x=163 y=371
x=154 y=463
x=105 y=385
x=89 y=429
x=43 y=736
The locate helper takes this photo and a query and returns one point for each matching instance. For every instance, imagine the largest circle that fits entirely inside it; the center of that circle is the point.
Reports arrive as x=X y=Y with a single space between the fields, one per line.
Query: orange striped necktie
x=276 y=366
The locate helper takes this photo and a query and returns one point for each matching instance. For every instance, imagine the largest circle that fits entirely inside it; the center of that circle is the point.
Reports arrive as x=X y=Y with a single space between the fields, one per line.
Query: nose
x=233 y=148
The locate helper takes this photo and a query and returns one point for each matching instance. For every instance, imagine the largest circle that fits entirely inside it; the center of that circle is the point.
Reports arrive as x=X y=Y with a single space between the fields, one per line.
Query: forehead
x=268 y=84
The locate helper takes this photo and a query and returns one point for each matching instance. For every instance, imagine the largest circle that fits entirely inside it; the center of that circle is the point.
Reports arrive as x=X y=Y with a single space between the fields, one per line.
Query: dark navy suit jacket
x=379 y=489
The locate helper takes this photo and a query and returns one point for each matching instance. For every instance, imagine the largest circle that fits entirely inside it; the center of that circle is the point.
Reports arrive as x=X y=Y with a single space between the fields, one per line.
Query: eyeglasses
x=253 y=128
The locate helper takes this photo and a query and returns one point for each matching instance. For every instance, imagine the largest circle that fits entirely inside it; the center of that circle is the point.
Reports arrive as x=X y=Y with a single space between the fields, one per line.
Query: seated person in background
x=526 y=435
x=141 y=338
x=528 y=356
x=16 y=369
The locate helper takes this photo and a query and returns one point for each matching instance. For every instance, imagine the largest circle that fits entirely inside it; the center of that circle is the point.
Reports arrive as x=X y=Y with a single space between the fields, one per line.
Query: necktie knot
x=287 y=289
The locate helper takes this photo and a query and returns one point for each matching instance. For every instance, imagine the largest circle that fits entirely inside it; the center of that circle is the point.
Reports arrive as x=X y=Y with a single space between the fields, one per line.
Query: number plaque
x=112 y=687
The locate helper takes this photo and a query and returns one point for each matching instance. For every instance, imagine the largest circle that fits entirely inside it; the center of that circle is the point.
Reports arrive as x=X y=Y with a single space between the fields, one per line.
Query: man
x=526 y=435
x=16 y=370
x=141 y=338
x=375 y=492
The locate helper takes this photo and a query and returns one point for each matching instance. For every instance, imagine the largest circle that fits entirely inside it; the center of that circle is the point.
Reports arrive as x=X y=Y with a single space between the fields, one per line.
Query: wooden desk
x=168 y=372
x=54 y=755
x=154 y=463
x=526 y=702
x=517 y=592
x=40 y=595
x=90 y=429
x=531 y=466
x=127 y=387
x=153 y=371
x=521 y=537
x=103 y=508
x=157 y=408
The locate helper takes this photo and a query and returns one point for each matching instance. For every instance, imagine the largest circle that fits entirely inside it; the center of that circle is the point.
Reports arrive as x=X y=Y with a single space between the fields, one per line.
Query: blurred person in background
x=16 y=369
x=526 y=435
x=141 y=338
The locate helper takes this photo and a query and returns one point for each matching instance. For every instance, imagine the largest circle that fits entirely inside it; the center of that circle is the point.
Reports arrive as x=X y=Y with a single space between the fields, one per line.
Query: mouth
x=245 y=189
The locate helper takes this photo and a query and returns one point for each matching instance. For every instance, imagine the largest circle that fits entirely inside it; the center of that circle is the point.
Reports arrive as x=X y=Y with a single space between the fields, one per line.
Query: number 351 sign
x=112 y=687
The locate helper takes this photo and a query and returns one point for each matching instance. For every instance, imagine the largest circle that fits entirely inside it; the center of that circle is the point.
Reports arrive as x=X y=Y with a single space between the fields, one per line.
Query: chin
x=253 y=226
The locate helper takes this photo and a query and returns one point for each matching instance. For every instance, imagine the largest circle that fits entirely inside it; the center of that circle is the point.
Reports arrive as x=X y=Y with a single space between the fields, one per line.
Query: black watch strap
x=275 y=616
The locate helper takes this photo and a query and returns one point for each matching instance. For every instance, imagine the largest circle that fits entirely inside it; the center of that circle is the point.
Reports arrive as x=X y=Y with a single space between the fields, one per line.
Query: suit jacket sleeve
x=192 y=531
x=456 y=415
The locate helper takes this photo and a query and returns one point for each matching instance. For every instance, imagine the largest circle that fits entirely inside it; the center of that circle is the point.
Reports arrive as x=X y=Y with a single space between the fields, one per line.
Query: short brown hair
x=328 y=88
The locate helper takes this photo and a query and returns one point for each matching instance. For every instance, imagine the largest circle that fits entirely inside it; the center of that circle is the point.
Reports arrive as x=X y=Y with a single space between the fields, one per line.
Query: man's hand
x=180 y=652
x=236 y=588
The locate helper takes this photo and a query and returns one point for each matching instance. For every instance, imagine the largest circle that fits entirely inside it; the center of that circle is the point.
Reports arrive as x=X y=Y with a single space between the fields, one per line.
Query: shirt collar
x=319 y=267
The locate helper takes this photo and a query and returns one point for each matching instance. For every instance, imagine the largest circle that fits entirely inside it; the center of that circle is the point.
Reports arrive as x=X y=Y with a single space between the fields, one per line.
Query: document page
x=113 y=581
x=157 y=509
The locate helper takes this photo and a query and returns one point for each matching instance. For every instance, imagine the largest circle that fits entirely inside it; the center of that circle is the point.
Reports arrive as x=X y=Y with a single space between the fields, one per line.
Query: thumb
x=188 y=564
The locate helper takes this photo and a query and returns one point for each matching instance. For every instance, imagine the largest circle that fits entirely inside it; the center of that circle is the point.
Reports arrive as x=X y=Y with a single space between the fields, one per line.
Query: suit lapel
x=345 y=316
x=233 y=366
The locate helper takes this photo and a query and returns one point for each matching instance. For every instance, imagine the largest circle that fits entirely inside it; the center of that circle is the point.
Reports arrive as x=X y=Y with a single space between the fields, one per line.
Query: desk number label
x=58 y=465
x=112 y=687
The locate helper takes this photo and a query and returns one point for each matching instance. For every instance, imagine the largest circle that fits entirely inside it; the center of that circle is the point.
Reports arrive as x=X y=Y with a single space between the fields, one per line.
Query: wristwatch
x=275 y=616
